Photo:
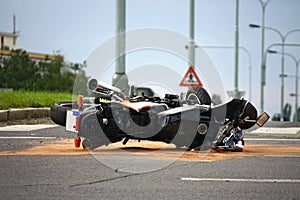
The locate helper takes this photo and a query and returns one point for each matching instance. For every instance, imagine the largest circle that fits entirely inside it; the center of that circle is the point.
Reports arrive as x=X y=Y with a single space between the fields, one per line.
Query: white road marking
x=283 y=156
x=27 y=138
x=243 y=180
x=271 y=139
x=27 y=127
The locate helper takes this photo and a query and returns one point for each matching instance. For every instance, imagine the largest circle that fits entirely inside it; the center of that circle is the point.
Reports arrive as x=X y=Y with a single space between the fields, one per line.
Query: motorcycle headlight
x=237 y=134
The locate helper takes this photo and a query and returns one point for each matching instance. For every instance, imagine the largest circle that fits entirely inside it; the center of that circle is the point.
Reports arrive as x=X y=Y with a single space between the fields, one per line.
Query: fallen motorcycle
x=191 y=122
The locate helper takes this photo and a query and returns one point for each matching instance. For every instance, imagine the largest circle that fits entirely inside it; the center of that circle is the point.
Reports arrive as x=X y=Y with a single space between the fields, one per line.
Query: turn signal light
x=79 y=100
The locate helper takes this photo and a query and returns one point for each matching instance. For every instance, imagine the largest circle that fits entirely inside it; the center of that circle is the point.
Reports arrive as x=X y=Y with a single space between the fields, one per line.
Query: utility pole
x=191 y=45
x=120 y=79
x=236 y=57
x=15 y=30
x=263 y=67
x=235 y=93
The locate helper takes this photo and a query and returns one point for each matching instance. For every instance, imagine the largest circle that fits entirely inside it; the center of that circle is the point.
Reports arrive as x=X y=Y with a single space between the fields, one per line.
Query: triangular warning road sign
x=190 y=78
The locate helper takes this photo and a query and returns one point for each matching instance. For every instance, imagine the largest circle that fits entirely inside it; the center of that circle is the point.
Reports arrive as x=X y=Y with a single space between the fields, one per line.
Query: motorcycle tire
x=199 y=94
x=58 y=112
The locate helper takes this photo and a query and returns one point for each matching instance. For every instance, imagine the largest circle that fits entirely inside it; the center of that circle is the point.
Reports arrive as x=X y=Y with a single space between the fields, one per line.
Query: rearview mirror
x=262 y=119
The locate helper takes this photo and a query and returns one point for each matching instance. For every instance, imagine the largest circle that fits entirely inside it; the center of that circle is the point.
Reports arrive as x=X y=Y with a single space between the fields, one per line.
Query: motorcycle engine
x=237 y=133
x=234 y=141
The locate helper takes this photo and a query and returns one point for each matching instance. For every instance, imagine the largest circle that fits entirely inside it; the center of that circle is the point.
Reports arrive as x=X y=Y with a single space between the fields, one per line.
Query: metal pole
x=120 y=78
x=263 y=76
x=282 y=67
x=191 y=46
x=263 y=67
x=297 y=69
x=296 y=92
x=14 y=30
x=283 y=38
x=296 y=76
x=282 y=79
x=236 y=46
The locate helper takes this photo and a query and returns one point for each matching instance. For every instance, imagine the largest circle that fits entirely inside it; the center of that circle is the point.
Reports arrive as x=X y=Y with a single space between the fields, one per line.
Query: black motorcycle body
x=184 y=122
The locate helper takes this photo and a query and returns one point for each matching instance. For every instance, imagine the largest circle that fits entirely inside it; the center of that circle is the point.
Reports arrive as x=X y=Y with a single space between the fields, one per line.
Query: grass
x=35 y=99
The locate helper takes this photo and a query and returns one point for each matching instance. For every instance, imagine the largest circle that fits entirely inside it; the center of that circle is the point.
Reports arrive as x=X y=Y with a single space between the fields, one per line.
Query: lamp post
x=236 y=50
x=262 y=78
x=296 y=77
x=249 y=60
x=283 y=39
x=120 y=78
x=191 y=45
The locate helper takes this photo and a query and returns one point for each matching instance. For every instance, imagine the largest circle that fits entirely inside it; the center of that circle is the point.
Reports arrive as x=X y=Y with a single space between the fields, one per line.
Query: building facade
x=8 y=41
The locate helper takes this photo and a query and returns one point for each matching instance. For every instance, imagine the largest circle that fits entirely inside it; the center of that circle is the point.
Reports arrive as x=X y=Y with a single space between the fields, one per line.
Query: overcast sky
x=76 y=28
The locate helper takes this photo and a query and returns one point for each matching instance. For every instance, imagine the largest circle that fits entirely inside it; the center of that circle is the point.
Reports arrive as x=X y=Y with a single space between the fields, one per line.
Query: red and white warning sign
x=190 y=78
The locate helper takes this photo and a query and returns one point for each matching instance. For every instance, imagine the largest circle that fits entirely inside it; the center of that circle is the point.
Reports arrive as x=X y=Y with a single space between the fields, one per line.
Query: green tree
x=54 y=77
x=18 y=71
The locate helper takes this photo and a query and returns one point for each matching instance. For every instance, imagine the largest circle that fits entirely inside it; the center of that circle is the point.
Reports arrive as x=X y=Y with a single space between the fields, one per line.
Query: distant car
x=191 y=122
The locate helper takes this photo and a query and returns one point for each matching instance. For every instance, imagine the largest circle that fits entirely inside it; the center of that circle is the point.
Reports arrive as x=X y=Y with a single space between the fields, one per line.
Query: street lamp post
x=296 y=77
x=120 y=78
x=262 y=79
x=191 y=46
x=283 y=39
x=236 y=55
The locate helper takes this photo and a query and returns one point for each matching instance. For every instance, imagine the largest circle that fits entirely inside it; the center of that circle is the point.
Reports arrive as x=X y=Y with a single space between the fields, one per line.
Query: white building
x=8 y=41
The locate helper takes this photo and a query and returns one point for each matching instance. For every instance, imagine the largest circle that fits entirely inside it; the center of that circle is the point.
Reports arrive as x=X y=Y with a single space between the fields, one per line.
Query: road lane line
x=283 y=156
x=243 y=180
x=24 y=128
x=271 y=139
x=27 y=138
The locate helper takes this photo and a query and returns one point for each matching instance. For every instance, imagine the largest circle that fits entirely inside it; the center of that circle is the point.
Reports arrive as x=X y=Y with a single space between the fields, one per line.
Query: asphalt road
x=83 y=176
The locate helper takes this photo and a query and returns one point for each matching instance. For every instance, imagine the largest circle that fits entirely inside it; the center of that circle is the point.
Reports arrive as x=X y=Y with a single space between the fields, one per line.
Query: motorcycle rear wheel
x=58 y=112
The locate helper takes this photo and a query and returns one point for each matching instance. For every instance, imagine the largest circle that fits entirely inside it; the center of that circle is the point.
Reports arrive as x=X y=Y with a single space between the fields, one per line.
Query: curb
x=276 y=129
x=293 y=132
x=23 y=113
